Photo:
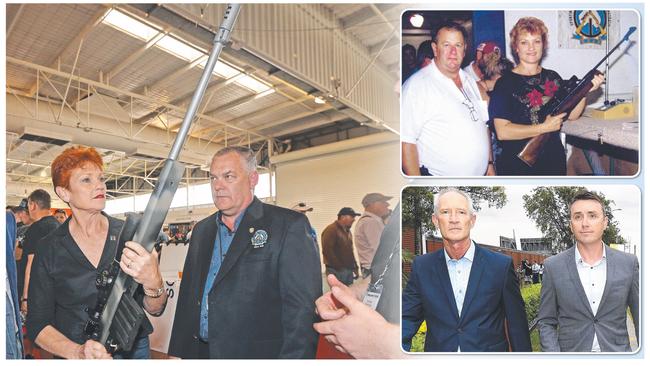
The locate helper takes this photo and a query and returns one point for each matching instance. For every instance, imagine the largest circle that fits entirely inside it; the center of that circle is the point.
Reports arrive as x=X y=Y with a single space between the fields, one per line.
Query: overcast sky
x=491 y=222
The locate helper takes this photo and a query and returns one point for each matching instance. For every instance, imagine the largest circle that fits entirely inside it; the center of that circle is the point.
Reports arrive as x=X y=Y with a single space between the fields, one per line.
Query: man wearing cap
x=483 y=50
x=441 y=110
x=337 y=247
x=303 y=208
x=368 y=230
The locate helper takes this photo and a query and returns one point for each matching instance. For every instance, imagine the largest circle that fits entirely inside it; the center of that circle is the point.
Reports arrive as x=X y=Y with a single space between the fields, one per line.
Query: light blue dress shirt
x=221 y=244
x=459 y=270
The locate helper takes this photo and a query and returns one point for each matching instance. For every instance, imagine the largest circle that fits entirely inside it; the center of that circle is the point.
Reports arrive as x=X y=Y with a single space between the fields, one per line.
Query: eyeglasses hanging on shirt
x=468 y=103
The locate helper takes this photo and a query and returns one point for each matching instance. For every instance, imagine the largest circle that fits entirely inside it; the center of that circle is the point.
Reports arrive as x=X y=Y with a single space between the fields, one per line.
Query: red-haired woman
x=68 y=261
x=517 y=104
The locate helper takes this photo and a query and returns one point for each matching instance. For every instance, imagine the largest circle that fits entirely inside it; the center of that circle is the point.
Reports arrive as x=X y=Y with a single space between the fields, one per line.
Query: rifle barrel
x=220 y=40
x=625 y=38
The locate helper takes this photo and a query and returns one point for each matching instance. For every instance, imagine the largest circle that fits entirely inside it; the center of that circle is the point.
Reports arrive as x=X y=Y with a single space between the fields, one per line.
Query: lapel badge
x=251 y=230
x=259 y=239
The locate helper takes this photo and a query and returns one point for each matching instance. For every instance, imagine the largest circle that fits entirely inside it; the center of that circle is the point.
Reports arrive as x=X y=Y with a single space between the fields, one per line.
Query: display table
x=621 y=133
x=602 y=147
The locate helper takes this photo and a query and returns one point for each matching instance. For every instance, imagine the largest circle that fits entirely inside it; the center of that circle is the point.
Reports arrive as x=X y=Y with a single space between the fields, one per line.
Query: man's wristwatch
x=154 y=293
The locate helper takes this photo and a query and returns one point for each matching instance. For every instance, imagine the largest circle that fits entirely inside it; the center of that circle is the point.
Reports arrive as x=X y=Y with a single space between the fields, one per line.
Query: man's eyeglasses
x=468 y=103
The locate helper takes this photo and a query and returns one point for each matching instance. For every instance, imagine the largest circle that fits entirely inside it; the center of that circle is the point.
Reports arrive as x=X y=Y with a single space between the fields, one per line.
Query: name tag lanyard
x=375 y=288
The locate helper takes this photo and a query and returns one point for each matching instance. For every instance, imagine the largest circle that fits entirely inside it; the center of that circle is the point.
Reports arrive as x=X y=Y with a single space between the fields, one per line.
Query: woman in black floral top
x=518 y=100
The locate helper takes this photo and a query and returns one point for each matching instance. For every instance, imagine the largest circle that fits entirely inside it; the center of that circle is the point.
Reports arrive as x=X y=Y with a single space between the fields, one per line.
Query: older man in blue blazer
x=469 y=296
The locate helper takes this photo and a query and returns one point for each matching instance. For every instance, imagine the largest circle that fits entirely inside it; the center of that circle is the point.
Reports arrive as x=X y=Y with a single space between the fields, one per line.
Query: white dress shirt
x=593 y=278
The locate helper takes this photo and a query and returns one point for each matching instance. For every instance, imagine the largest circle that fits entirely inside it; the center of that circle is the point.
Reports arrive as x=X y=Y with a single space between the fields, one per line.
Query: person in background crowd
x=369 y=228
x=338 y=252
x=13 y=323
x=189 y=233
x=303 y=208
x=67 y=262
x=425 y=54
x=484 y=51
x=409 y=61
x=251 y=274
x=535 y=269
x=492 y=70
x=38 y=203
x=60 y=215
x=22 y=222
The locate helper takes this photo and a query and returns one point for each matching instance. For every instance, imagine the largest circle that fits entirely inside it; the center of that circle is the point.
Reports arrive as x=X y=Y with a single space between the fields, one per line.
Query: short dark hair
x=588 y=196
x=60 y=210
x=448 y=24
x=424 y=51
x=41 y=198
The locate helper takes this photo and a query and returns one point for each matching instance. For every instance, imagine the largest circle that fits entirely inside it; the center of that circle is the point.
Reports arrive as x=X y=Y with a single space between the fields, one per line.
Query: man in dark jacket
x=43 y=223
x=251 y=274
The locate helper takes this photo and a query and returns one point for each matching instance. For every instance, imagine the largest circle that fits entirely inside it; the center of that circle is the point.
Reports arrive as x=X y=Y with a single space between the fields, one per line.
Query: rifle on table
x=117 y=316
x=570 y=94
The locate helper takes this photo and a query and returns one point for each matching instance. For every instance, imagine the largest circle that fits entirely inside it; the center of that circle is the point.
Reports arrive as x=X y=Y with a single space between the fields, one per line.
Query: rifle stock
x=571 y=95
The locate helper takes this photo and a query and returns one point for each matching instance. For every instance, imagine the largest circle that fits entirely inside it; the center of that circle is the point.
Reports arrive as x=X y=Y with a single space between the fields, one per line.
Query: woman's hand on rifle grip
x=597 y=81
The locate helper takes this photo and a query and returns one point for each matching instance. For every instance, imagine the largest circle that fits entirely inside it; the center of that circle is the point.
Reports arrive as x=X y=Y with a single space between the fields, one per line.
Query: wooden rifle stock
x=571 y=92
x=533 y=149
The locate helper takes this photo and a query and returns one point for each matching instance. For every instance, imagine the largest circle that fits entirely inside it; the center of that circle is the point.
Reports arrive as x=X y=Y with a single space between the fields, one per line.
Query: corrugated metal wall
x=307 y=41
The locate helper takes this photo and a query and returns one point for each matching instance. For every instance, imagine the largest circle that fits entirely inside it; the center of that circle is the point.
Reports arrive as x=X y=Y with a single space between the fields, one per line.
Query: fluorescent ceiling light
x=221 y=69
x=129 y=25
x=252 y=83
x=226 y=71
x=179 y=49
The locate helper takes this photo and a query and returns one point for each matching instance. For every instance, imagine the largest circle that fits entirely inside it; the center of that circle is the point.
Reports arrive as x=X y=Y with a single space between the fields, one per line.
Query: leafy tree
x=417 y=206
x=549 y=207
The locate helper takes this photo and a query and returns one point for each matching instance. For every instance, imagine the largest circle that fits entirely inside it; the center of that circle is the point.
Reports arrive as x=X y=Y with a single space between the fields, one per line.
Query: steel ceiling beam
x=90 y=25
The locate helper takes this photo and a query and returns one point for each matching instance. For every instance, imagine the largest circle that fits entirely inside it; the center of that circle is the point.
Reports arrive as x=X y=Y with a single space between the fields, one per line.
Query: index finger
x=136 y=247
x=324 y=327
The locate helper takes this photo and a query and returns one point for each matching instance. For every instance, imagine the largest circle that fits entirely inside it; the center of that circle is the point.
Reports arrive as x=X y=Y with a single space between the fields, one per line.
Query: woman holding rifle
x=67 y=262
x=516 y=104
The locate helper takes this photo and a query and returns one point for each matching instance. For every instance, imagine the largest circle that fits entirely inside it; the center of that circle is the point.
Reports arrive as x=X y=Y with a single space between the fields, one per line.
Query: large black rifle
x=570 y=93
x=117 y=316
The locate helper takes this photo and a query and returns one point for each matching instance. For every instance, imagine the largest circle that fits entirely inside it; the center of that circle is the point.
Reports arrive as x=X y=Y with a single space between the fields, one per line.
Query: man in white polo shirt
x=443 y=118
